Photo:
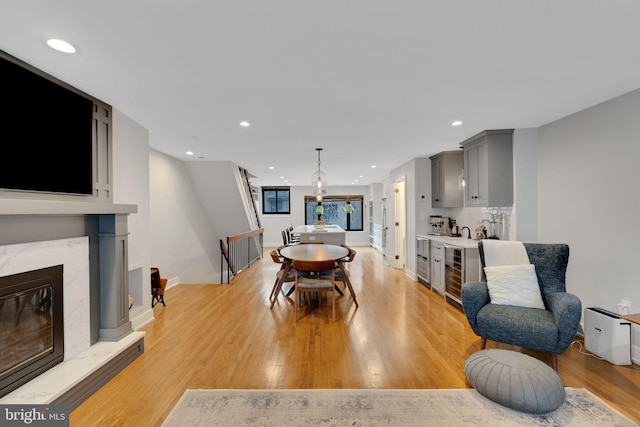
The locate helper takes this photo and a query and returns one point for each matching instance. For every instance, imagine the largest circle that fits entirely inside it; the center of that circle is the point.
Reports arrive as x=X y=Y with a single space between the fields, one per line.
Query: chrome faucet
x=468 y=229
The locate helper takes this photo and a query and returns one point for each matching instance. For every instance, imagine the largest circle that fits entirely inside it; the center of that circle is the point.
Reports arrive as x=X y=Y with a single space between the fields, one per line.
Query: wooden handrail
x=231 y=239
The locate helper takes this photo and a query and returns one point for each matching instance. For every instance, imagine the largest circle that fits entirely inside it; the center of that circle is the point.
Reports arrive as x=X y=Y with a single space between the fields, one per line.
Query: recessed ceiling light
x=189 y=153
x=245 y=124
x=271 y=168
x=373 y=166
x=282 y=177
x=456 y=123
x=61 y=45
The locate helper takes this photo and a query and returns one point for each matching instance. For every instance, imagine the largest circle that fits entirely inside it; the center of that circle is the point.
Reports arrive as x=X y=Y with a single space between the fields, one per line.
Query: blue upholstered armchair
x=550 y=330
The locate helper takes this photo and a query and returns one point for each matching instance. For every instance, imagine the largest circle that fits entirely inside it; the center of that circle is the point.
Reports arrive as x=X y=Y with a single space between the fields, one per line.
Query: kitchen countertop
x=310 y=229
x=461 y=242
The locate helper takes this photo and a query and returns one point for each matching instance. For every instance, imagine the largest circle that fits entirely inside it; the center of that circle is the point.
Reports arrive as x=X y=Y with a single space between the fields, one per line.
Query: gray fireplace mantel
x=28 y=220
x=54 y=207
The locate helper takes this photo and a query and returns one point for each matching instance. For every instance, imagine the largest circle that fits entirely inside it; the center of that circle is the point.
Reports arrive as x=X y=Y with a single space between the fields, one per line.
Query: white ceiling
x=369 y=81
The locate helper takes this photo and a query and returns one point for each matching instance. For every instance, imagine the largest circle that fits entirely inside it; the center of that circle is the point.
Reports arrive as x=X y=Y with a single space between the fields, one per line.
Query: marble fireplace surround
x=89 y=361
x=73 y=254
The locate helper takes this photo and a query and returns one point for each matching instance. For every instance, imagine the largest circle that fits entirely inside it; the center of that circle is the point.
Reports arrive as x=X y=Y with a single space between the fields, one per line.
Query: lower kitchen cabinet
x=452 y=261
x=423 y=269
x=437 y=267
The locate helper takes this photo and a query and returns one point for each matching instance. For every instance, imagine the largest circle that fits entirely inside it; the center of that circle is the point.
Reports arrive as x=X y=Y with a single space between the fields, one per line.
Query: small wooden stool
x=157 y=287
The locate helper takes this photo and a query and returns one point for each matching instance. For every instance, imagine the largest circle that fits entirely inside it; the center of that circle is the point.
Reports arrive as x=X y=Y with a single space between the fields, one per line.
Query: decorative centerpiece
x=319 y=212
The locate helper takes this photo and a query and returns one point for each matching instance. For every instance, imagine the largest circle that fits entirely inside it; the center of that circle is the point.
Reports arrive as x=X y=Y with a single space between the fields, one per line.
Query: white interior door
x=400 y=223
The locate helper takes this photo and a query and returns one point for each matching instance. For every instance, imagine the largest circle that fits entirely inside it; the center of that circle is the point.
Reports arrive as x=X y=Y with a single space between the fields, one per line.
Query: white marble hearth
x=63 y=377
x=80 y=357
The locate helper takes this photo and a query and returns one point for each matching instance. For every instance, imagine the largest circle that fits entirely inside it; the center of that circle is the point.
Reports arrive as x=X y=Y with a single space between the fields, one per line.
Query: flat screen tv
x=45 y=132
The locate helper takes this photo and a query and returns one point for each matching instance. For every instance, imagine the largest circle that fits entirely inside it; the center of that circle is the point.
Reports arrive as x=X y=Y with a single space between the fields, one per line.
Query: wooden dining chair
x=342 y=274
x=350 y=257
x=283 y=275
x=308 y=280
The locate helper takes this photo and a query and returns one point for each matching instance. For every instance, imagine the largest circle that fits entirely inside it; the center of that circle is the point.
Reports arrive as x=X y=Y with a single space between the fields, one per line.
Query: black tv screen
x=45 y=133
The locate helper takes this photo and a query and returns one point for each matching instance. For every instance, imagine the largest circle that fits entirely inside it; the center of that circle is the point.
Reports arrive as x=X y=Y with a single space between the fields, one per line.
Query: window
x=275 y=200
x=334 y=211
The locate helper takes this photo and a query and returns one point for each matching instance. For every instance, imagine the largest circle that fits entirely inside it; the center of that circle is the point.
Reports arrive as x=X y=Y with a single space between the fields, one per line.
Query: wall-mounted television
x=45 y=132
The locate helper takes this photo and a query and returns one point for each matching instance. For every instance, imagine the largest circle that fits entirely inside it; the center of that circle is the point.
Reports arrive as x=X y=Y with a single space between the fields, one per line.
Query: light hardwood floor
x=226 y=336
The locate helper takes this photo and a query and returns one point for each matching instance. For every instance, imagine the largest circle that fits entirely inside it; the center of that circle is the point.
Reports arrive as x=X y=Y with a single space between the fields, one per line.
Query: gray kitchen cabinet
x=437 y=267
x=488 y=169
x=446 y=168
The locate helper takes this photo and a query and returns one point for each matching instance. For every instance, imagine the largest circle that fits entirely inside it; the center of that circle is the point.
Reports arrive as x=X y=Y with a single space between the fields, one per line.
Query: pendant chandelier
x=319 y=181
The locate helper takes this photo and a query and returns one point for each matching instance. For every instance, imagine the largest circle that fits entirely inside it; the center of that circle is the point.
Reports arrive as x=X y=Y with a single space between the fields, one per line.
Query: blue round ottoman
x=515 y=380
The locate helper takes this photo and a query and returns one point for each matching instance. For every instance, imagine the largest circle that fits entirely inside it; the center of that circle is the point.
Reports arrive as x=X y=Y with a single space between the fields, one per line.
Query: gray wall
x=131 y=186
x=184 y=244
x=588 y=197
x=524 y=217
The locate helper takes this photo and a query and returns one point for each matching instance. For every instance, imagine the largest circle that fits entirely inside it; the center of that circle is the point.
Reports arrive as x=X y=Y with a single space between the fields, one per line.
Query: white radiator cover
x=607 y=335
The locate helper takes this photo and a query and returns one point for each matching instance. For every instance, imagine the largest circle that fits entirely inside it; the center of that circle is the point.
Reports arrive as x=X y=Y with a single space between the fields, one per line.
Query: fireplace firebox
x=31 y=325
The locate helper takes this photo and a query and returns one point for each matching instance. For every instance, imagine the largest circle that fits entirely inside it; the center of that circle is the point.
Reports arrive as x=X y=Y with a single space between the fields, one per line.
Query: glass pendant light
x=319 y=181
x=319 y=188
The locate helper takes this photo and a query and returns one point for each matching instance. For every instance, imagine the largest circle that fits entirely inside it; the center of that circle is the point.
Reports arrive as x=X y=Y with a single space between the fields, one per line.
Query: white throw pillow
x=514 y=285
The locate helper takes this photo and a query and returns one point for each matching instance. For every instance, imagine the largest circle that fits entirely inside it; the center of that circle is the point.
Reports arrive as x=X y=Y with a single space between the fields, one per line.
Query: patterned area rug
x=370 y=408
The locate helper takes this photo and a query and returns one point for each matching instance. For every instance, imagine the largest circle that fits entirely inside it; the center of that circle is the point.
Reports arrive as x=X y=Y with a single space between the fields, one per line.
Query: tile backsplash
x=472 y=216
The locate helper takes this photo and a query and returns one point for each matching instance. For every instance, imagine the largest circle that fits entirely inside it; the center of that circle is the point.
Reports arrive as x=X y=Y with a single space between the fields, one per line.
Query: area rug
x=372 y=408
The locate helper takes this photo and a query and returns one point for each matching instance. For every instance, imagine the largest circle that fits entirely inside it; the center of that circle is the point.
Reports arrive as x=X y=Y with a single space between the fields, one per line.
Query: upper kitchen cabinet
x=446 y=169
x=488 y=169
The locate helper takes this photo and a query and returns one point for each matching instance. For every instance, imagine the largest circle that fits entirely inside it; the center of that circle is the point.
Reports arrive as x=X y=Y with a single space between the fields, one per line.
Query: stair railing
x=240 y=251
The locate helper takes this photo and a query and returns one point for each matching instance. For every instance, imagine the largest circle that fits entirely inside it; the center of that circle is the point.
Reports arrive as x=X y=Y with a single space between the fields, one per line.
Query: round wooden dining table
x=315 y=252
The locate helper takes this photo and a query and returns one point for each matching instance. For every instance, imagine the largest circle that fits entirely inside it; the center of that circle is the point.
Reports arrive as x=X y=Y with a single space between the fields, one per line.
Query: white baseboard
x=140 y=319
x=175 y=281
